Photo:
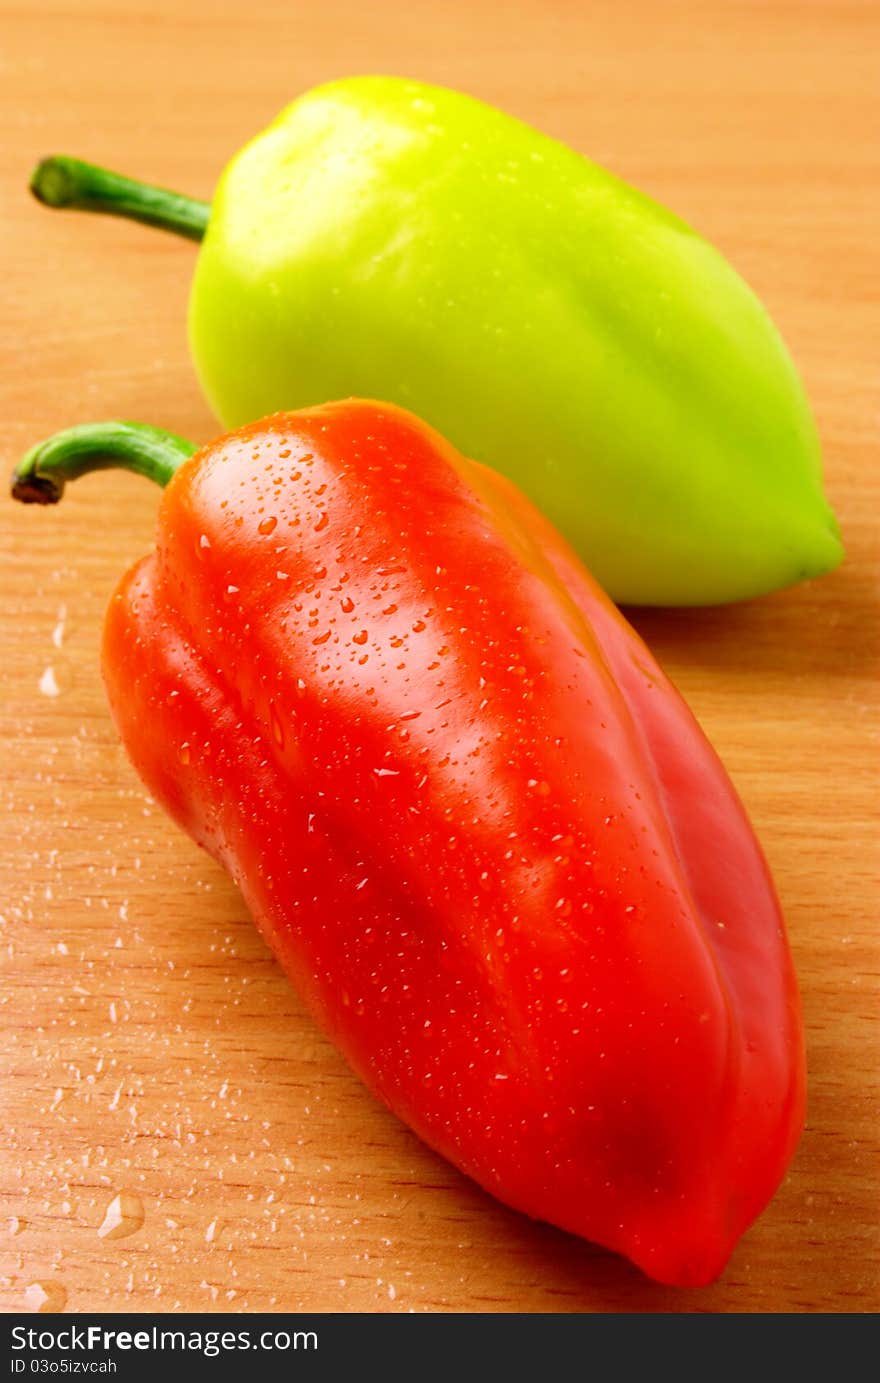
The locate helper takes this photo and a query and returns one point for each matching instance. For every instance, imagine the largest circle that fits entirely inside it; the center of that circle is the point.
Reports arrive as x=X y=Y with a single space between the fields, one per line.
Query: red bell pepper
x=479 y=828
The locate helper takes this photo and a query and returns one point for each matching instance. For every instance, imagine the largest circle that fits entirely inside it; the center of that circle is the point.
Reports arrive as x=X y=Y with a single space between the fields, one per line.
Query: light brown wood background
x=150 y=1045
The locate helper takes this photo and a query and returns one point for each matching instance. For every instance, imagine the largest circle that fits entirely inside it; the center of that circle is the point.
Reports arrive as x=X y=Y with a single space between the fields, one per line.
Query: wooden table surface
x=151 y=1048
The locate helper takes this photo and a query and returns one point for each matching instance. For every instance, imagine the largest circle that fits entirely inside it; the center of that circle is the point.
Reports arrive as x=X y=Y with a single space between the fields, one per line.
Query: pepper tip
x=35 y=489
x=50 y=182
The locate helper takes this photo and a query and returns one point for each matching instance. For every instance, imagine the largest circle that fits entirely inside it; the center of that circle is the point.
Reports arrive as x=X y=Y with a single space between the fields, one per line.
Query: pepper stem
x=69 y=182
x=40 y=476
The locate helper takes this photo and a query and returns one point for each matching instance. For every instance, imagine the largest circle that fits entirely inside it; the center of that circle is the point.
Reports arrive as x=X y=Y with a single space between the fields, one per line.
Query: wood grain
x=150 y=1045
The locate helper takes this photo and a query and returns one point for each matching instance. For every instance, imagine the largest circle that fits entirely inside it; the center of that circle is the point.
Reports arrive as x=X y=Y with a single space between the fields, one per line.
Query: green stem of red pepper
x=40 y=477
x=69 y=182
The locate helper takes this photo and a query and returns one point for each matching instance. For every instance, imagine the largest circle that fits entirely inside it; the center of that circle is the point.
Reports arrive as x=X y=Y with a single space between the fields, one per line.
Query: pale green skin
x=403 y=242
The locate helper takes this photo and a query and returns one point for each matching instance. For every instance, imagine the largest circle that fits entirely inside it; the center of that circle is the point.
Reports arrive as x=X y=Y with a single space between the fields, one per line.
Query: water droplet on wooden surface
x=123 y=1216
x=45 y=1297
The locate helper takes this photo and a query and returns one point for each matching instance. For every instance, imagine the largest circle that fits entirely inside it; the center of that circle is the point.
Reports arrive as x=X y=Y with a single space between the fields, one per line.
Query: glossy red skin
x=477 y=825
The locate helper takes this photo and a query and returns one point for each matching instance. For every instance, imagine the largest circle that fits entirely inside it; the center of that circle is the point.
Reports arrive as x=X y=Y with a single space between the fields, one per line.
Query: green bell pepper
x=398 y=241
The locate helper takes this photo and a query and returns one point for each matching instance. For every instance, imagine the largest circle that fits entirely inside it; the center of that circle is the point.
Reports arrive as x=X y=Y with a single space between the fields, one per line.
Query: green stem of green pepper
x=40 y=476
x=68 y=182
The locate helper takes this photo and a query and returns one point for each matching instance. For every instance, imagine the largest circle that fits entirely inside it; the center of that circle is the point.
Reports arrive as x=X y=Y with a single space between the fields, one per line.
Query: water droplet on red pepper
x=277 y=728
